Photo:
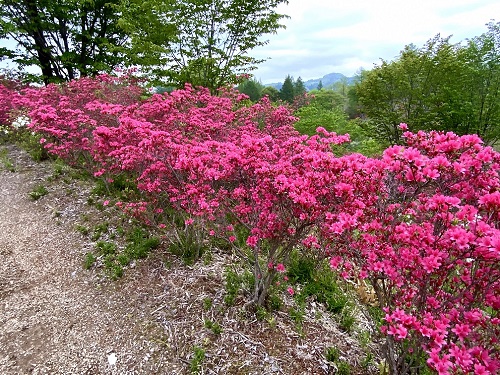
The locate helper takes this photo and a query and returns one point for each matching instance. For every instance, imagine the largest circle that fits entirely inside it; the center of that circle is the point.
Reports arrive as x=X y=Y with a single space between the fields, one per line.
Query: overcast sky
x=334 y=36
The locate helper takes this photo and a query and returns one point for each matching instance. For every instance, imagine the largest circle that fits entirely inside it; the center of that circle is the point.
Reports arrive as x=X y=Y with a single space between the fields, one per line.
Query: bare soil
x=58 y=318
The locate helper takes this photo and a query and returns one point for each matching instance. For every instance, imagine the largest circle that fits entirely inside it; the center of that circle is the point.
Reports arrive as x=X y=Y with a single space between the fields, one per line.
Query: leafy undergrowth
x=312 y=324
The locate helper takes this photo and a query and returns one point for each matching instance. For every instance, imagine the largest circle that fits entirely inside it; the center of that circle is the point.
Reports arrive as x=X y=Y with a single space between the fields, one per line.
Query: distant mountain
x=326 y=80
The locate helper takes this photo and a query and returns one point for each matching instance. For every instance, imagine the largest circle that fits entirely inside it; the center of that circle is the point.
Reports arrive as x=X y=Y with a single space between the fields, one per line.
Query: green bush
x=30 y=142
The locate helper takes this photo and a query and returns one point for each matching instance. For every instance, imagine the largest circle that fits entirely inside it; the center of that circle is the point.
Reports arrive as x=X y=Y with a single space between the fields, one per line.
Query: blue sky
x=325 y=36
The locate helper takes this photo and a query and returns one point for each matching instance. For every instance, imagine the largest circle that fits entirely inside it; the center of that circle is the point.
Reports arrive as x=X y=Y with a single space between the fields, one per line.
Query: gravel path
x=55 y=318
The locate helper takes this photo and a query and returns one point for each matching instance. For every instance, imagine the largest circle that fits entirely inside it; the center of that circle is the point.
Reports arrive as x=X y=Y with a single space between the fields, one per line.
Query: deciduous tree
x=205 y=43
x=271 y=92
x=252 y=88
x=440 y=86
x=65 y=38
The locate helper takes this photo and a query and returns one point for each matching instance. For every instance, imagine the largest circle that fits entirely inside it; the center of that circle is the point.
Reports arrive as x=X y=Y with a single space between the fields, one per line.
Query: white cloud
x=324 y=36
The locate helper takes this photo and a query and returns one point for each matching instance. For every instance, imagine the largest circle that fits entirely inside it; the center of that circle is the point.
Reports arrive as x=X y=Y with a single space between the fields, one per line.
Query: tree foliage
x=326 y=109
x=272 y=92
x=298 y=87
x=205 y=43
x=440 y=86
x=287 y=91
x=252 y=88
x=327 y=99
x=65 y=38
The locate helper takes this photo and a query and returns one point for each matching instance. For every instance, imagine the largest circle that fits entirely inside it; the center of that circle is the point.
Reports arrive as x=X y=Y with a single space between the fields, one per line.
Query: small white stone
x=112 y=359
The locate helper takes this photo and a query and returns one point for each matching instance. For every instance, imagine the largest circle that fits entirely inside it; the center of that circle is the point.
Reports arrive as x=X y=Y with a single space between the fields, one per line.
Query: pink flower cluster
x=9 y=94
x=421 y=224
x=65 y=115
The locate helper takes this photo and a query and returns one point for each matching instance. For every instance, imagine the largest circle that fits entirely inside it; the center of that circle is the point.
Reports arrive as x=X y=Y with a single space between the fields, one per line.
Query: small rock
x=112 y=359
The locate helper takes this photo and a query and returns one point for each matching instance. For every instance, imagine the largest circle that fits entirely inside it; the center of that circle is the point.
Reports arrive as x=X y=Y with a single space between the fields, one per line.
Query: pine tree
x=287 y=92
x=299 y=88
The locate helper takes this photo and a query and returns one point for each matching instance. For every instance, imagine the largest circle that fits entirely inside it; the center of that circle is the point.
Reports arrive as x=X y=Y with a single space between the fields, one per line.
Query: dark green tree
x=320 y=85
x=252 y=88
x=298 y=87
x=64 y=38
x=271 y=92
x=287 y=92
x=203 y=42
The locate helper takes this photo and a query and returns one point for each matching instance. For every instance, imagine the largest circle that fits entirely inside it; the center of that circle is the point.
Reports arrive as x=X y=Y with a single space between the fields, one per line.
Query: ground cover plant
x=420 y=224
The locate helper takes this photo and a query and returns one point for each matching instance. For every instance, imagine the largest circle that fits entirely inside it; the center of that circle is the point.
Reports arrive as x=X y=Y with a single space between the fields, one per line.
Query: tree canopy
x=252 y=88
x=65 y=38
x=298 y=87
x=440 y=86
x=203 y=42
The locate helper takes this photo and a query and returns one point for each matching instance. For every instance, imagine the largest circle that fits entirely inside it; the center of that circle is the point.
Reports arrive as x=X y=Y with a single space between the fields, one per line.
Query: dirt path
x=54 y=317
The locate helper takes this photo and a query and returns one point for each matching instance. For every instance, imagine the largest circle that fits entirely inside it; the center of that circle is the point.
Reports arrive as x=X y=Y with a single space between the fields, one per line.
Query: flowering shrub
x=8 y=95
x=429 y=246
x=421 y=224
x=63 y=114
x=215 y=160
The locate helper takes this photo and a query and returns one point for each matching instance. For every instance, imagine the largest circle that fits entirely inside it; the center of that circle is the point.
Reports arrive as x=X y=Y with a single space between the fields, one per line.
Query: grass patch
x=197 y=360
x=320 y=283
x=38 y=192
x=138 y=244
x=122 y=187
x=5 y=160
x=99 y=230
x=89 y=261
x=188 y=244
x=213 y=326
x=30 y=142
x=332 y=355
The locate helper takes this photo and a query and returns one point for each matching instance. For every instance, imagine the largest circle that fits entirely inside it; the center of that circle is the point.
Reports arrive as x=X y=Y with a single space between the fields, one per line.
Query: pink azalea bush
x=9 y=92
x=430 y=248
x=421 y=224
x=63 y=114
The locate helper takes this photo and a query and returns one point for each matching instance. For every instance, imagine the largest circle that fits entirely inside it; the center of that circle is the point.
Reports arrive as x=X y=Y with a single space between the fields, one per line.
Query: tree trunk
x=42 y=49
